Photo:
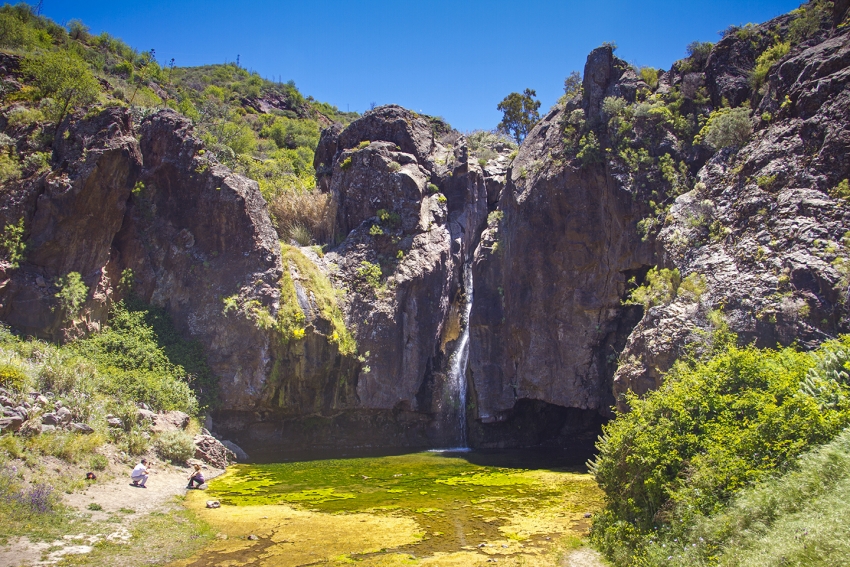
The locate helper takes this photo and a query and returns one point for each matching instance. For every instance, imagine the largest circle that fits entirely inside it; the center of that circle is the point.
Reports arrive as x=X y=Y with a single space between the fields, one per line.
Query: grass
x=157 y=539
x=799 y=519
x=324 y=294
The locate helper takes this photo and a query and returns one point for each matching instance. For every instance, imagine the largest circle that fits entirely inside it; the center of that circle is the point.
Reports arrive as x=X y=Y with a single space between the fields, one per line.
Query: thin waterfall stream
x=458 y=361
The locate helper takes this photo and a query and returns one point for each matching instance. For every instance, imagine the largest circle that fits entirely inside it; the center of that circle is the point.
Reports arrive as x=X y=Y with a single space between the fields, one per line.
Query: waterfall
x=457 y=362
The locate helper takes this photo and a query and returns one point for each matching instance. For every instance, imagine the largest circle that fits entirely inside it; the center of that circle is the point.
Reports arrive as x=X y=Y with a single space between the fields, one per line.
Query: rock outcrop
x=154 y=214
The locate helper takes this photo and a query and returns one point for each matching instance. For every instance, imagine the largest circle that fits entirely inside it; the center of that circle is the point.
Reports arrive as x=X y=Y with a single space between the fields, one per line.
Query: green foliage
x=649 y=76
x=659 y=288
x=700 y=49
x=520 y=113
x=346 y=163
x=20 y=28
x=9 y=167
x=12 y=376
x=23 y=117
x=589 y=151
x=442 y=199
x=176 y=446
x=714 y=428
x=841 y=191
x=692 y=287
x=798 y=519
x=370 y=273
x=13 y=244
x=387 y=218
x=293 y=133
x=64 y=78
x=324 y=295
x=72 y=293
x=376 y=230
x=433 y=188
x=495 y=217
x=726 y=127
x=766 y=182
x=141 y=357
x=572 y=84
x=765 y=62
x=810 y=18
x=98 y=462
x=487 y=145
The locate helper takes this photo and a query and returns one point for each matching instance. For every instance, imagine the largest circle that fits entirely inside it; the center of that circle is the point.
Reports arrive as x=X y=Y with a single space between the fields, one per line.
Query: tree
x=520 y=114
x=572 y=84
x=64 y=77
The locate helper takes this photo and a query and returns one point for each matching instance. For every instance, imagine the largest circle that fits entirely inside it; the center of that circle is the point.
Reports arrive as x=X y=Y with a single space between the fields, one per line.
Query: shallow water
x=416 y=509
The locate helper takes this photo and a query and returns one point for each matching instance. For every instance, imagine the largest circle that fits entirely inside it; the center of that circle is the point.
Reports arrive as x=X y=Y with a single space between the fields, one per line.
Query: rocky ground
x=111 y=509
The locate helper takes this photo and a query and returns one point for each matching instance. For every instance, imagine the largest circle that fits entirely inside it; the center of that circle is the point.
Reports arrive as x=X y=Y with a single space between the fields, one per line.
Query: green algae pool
x=416 y=509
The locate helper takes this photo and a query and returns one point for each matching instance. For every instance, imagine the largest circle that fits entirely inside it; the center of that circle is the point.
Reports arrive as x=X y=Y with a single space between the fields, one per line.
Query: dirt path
x=584 y=557
x=120 y=505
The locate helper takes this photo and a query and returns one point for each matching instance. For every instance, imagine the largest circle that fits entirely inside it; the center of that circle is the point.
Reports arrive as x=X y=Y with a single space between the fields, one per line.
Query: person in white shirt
x=140 y=474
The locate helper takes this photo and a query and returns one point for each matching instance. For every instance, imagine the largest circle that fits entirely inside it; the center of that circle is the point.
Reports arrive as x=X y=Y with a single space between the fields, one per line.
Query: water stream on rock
x=457 y=364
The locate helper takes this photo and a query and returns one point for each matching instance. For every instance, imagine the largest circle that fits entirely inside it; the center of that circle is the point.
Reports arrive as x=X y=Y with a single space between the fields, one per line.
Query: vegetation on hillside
x=718 y=426
x=265 y=130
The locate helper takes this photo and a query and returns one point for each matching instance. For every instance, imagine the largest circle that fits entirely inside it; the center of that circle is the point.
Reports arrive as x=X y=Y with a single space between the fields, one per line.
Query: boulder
x=48 y=428
x=50 y=419
x=11 y=423
x=213 y=504
x=145 y=415
x=64 y=415
x=241 y=456
x=112 y=421
x=170 y=421
x=81 y=428
x=210 y=450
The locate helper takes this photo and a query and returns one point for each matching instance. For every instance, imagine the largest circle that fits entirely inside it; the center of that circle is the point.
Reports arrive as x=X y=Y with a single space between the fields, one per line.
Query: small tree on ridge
x=520 y=114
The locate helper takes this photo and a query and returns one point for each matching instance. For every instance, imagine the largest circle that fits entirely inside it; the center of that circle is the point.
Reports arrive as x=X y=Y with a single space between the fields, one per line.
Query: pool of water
x=430 y=508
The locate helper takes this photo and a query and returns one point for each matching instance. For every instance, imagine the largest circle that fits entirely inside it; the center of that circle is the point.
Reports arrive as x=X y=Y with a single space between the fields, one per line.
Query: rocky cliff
x=726 y=175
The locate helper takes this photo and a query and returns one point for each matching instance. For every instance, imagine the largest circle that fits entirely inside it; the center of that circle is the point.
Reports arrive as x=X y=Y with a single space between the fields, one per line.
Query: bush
x=370 y=273
x=765 y=62
x=699 y=49
x=312 y=211
x=649 y=76
x=12 y=242
x=659 y=288
x=175 y=446
x=727 y=127
x=72 y=293
x=98 y=462
x=12 y=377
x=714 y=428
x=20 y=116
x=9 y=168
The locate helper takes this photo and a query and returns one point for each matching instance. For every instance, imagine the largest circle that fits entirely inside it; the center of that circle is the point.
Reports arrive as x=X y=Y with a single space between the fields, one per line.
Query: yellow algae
x=419 y=509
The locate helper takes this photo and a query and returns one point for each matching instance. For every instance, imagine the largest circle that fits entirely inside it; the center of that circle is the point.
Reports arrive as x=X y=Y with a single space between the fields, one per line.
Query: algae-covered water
x=417 y=509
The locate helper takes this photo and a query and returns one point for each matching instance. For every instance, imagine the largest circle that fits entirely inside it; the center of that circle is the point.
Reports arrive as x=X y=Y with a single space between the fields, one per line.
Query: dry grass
x=312 y=212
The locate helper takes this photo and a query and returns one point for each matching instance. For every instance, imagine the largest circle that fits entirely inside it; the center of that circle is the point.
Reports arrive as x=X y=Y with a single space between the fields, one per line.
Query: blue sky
x=456 y=59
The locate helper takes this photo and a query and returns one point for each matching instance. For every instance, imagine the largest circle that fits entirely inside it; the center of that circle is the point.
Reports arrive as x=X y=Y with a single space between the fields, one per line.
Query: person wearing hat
x=139 y=475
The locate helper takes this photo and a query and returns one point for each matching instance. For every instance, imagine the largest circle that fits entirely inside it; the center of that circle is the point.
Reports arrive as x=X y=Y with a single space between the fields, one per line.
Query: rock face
x=612 y=183
x=410 y=207
x=188 y=231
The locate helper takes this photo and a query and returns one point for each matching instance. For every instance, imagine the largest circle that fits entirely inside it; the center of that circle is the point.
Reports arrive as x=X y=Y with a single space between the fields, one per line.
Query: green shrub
x=442 y=199
x=346 y=163
x=765 y=62
x=659 y=288
x=841 y=191
x=12 y=242
x=692 y=287
x=433 y=188
x=700 y=49
x=589 y=151
x=95 y=507
x=370 y=273
x=390 y=219
x=613 y=105
x=9 y=168
x=12 y=377
x=98 y=462
x=714 y=428
x=175 y=446
x=136 y=442
x=726 y=127
x=495 y=217
x=63 y=77
x=376 y=230
x=21 y=116
x=649 y=76
x=72 y=293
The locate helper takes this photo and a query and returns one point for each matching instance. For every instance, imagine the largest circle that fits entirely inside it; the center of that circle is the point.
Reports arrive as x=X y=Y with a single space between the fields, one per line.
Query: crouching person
x=139 y=476
x=196 y=476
